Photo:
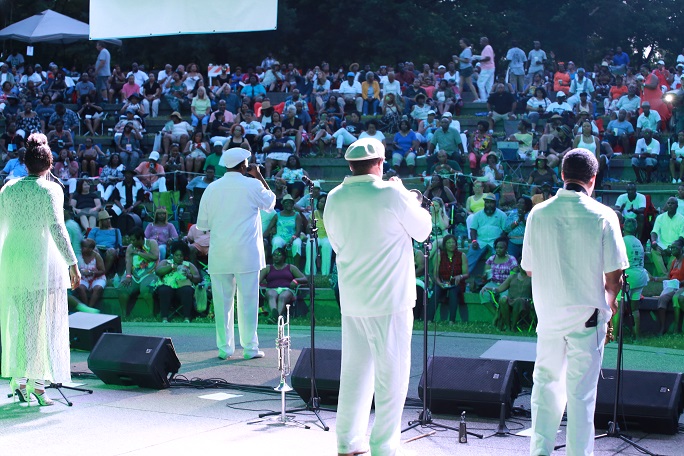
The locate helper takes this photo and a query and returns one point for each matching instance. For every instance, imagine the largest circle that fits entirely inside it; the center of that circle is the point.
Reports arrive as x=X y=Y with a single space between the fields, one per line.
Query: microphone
x=307 y=181
x=424 y=201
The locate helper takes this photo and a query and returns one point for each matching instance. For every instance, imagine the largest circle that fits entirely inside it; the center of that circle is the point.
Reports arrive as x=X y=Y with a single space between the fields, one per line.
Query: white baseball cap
x=154 y=155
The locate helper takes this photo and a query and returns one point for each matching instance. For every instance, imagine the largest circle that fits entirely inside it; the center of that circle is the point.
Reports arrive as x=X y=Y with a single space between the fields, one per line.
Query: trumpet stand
x=285 y=368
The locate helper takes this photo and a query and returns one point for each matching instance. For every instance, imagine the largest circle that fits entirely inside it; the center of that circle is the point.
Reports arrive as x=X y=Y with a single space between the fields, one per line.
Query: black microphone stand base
x=614 y=431
x=613 y=426
x=313 y=403
x=59 y=387
x=425 y=416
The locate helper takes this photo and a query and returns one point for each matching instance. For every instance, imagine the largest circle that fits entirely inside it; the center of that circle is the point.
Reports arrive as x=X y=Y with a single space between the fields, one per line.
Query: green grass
x=673 y=341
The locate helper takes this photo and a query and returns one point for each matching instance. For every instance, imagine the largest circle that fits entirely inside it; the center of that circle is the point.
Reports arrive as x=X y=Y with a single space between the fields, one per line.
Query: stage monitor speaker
x=122 y=359
x=651 y=401
x=328 y=363
x=474 y=385
x=85 y=329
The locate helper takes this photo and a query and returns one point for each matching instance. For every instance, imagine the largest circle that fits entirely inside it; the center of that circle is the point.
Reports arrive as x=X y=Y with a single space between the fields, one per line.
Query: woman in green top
x=201 y=109
x=141 y=260
x=178 y=278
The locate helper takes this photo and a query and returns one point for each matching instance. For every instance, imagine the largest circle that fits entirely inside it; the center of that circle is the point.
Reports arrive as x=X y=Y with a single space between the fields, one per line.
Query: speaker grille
x=119 y=359
x=473 y=384
x=651 y=401
x=328 y=365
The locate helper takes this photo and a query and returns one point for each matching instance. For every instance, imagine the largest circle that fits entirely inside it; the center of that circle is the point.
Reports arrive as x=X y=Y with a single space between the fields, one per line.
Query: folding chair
x=510 y=159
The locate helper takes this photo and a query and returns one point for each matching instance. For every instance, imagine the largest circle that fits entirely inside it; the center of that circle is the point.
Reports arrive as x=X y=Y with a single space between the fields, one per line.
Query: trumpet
x=283 y=347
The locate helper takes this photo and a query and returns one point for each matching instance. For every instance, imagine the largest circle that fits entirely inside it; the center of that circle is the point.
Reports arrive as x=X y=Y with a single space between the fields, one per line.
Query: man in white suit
x=230 y=211
x=371 y=224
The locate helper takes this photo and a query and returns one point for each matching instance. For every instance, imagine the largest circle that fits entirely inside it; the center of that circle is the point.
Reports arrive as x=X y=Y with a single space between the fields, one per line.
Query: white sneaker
x=679 y=181
x=258 y=354
x=674 y=181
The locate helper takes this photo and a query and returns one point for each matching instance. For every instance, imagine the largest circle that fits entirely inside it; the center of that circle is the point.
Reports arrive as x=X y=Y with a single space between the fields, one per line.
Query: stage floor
x=132 y=421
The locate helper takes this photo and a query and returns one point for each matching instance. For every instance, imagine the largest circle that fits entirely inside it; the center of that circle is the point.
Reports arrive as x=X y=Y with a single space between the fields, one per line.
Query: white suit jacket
x=370 y=224
x=229 y=209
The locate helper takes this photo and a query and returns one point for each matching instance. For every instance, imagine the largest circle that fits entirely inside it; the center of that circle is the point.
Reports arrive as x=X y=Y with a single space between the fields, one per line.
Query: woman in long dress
x=37 y=264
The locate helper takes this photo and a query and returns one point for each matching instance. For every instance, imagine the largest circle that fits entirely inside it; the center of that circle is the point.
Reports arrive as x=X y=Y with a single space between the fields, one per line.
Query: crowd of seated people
x=411 y=110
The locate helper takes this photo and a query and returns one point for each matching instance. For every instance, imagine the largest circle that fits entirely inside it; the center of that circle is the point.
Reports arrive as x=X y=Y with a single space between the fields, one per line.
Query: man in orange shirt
x=616 y=91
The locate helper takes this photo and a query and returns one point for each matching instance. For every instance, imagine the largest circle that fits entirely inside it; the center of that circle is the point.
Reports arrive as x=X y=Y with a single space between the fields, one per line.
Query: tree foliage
x=385 y=32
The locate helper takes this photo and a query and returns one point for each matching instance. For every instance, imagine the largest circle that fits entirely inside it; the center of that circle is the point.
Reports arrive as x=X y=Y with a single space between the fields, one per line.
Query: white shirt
x=375 y=253
x=570 y=242
x=559 y=108
x=353 y=89
x=581 y=87
x=137 y=186
x=180 y=128
x=653 y=149
x=638 y=203
x=251 y=128
x=380 y=136
x=488 y=227
x=230 y=211
x=392 y=87
x=139 y=76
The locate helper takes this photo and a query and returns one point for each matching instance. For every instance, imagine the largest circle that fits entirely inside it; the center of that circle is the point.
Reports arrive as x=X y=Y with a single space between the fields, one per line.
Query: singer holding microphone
x=370 y=225
x=229 y=209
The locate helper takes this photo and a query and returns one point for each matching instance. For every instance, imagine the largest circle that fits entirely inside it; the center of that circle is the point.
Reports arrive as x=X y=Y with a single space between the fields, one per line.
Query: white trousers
x=484 y=83
x=566 y=371
x=154 y=112
x=326 y=256
x=376 y=357
x=278 y=242
x=343 y=137
x=223 y=287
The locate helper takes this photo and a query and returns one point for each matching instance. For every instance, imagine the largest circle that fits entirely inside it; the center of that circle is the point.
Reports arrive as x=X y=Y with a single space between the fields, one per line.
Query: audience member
x=162 y=231
x=142 y=256
x=278 y=281
x=486 y=226
x=450 y=273
x=93 y=279
x=286 y=229
x=637 y=276
x=151 y=174
x=405 y=145
x=501 y=105
x=676 y=155
x=108 y=241
x=673 y=288
x=498 y=268
x=668 y=227
x=646 y=155
x=177 y=276
x=86 y=204
x=632 y=205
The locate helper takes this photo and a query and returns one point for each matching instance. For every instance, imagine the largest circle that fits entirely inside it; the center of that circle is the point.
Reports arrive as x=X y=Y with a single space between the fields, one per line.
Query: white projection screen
x=140 y=18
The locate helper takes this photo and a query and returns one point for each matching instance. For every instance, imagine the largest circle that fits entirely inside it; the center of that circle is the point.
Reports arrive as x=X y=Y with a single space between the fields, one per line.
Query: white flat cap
x=365 y=149
x=234 y=156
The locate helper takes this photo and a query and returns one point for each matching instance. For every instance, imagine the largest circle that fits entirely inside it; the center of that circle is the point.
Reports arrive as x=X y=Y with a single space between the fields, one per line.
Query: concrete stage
x=117 y=420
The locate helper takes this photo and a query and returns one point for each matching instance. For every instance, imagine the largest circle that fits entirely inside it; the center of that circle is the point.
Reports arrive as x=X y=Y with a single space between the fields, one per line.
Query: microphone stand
x=613 y=426
x=425 y=416
x=313 y=404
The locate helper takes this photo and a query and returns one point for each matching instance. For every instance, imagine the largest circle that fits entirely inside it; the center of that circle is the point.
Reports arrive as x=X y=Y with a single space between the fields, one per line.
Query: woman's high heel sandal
x=43 y=399
x=19 y=392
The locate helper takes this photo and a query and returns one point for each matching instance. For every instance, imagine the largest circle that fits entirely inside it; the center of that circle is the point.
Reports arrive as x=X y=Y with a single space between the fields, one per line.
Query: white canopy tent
x=49 y=27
